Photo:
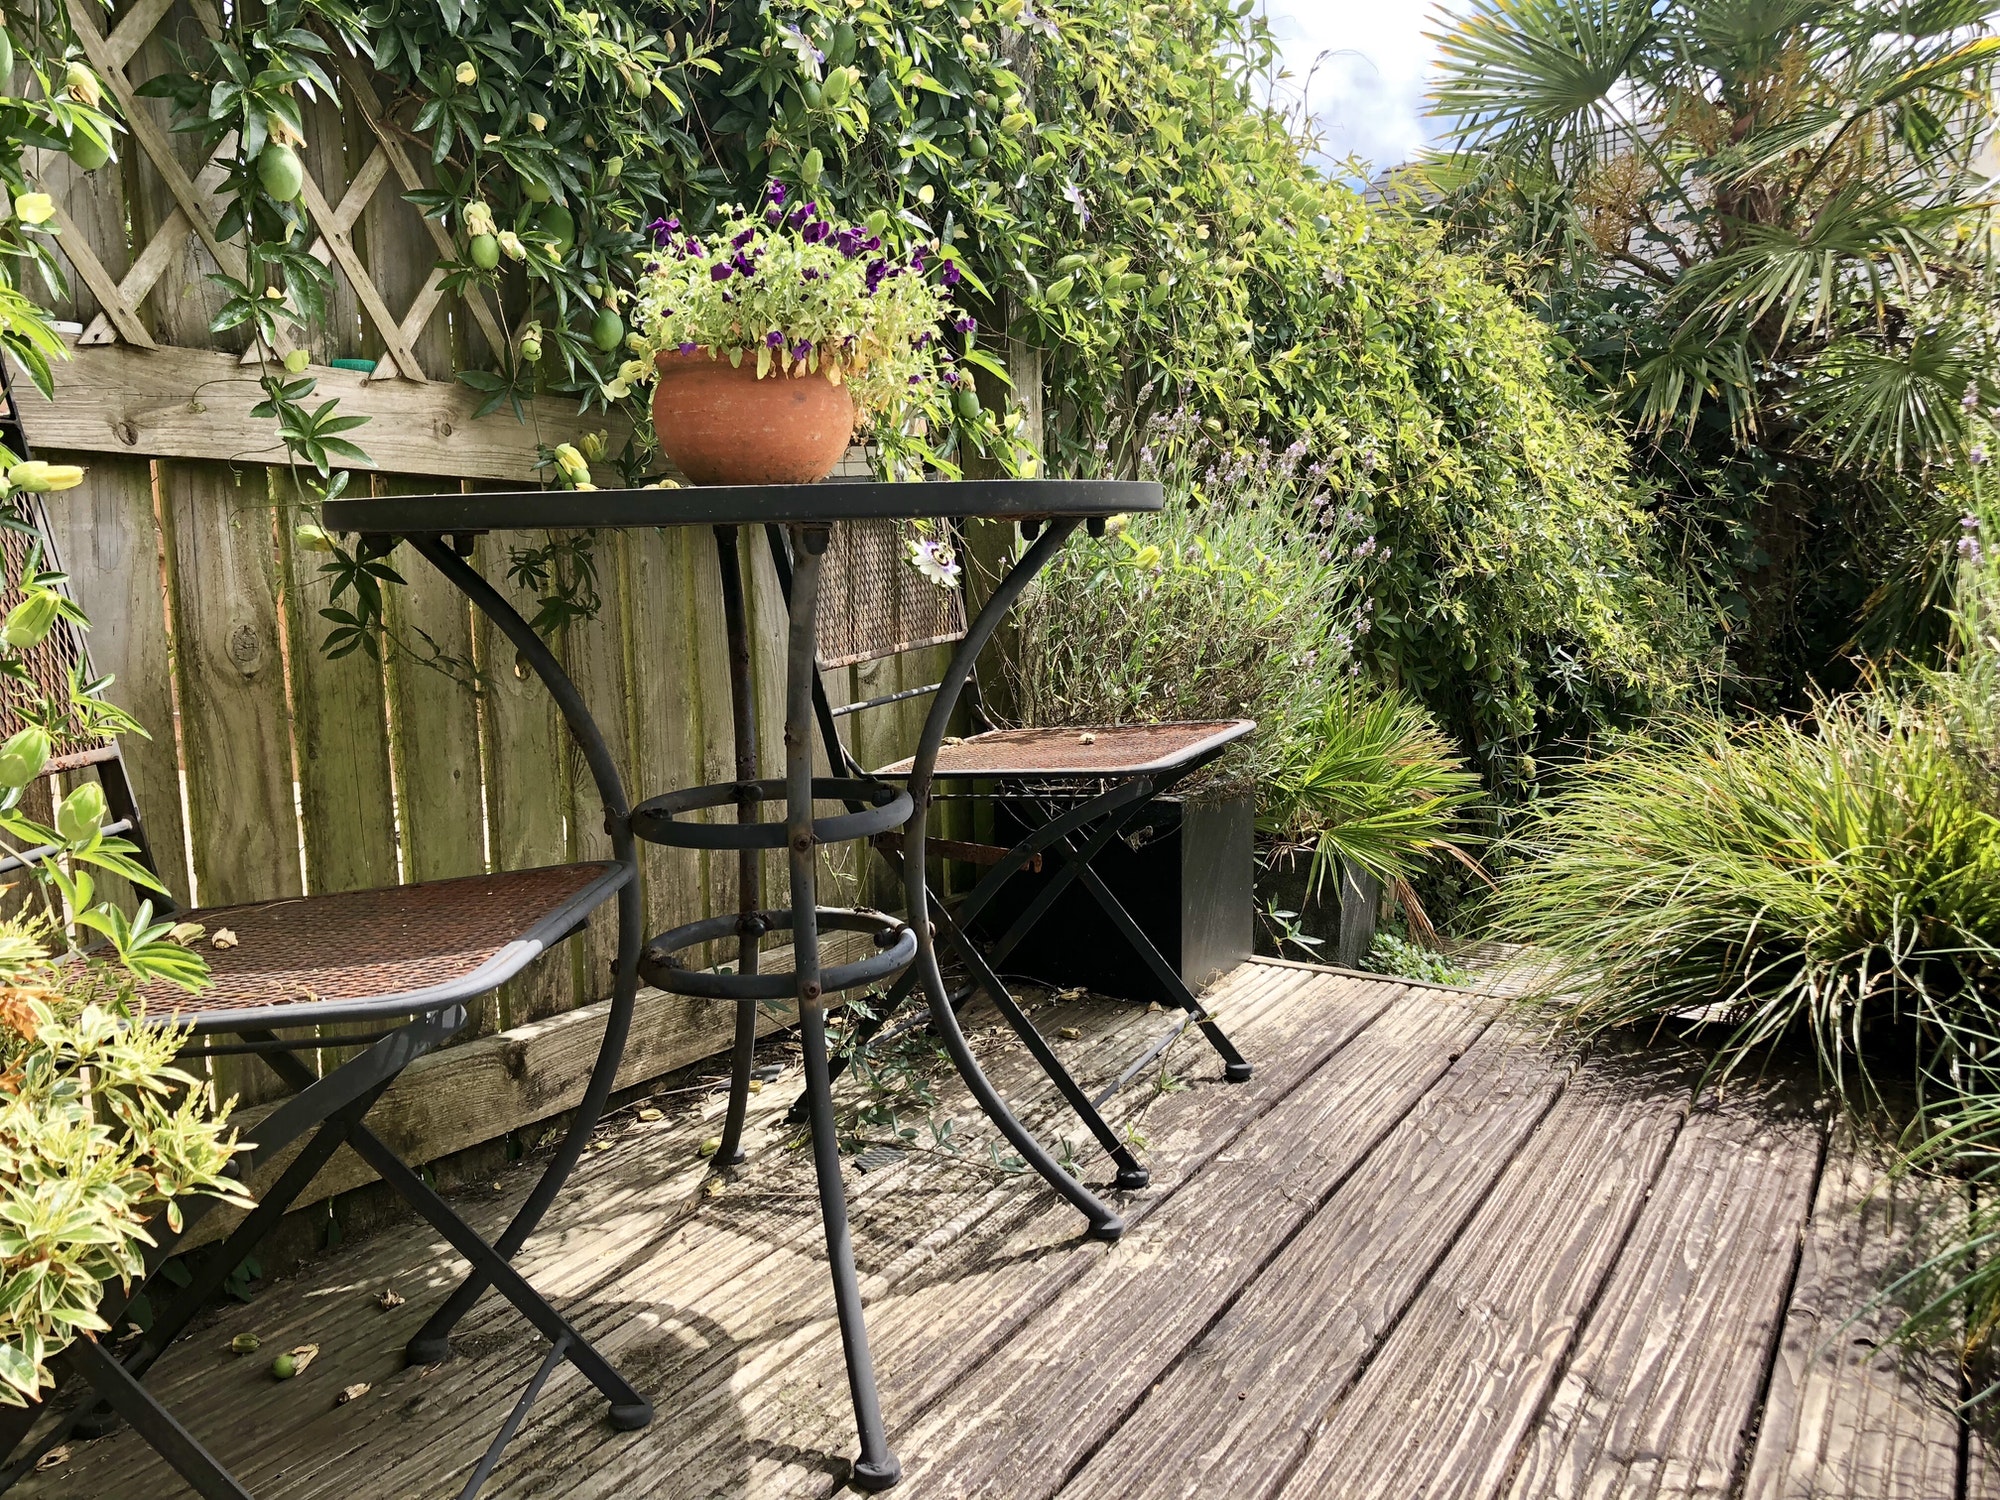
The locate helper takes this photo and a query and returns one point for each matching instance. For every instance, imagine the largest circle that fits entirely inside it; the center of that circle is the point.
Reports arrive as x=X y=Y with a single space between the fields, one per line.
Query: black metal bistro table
x=442 y=527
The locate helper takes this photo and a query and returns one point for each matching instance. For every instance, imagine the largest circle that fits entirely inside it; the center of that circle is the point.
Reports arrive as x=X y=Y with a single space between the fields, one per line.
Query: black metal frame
x=1074 y=838
x=333 y=1108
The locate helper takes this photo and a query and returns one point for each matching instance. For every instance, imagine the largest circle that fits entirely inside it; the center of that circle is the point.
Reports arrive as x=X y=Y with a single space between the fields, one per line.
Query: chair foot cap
x=631 y=1417
x=428 y=1349
x=735 y=1158
x=1237 y=1072
x=101 y=1422
x=1131 y=1179
x=877 y=1476
x=1107 y=1229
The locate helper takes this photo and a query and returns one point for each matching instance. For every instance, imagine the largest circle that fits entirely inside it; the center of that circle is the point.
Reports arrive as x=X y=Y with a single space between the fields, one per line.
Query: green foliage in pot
x=100 y=1134
x=1367 y=781
x=1224 y=605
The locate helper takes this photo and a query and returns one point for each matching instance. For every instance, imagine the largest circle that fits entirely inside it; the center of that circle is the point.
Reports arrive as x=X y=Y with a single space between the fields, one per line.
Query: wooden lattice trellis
x=197 y=212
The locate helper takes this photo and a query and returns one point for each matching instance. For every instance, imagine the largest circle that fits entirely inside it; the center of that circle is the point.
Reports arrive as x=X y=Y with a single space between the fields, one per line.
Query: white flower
x=935 y=561
x=35 y=208
x=632 y=372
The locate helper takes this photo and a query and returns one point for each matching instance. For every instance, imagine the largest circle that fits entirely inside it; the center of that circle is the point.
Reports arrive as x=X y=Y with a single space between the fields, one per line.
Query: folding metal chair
x=1077 y=789
x=401 y=965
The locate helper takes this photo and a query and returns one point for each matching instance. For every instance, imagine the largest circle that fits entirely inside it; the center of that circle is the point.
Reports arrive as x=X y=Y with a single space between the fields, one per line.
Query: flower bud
x=82 y=85
x=81 y=814
x=595 y=445
x=23 y=756
x=466 y=74
x=296 y=362
x=537 y=123
x=41 y=478
x=34 y=208
x=29 y=622
x=313 y=538
x=511 y=246
x=572 y=465
x=478 y=217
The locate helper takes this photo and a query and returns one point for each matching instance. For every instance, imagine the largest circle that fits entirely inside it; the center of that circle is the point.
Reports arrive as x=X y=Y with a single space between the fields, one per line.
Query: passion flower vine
x=804 y=296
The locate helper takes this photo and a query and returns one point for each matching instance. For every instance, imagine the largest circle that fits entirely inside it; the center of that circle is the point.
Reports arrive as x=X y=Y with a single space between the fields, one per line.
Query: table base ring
x=659 y=966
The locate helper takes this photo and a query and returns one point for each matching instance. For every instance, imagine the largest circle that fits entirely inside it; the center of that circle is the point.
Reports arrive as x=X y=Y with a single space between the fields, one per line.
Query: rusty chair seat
x=1074 y=752
x=368 y=955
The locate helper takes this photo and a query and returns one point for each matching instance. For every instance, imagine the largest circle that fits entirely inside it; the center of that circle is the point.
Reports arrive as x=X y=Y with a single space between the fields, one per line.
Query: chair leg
x=152 y=1421
x=1234 y=1068
x=1131 y=1174
x=742 y=1058
x=877 y=1468
x=432 y=1343
x=628 y=1408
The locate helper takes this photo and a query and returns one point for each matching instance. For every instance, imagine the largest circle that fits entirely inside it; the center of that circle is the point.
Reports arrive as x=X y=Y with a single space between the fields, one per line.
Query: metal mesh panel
x=873 y=603
x=48 y=664
x=363 y=945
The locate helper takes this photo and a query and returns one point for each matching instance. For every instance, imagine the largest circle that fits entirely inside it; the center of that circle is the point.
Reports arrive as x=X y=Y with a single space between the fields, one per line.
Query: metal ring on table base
x=657 y=819
x=894 y=938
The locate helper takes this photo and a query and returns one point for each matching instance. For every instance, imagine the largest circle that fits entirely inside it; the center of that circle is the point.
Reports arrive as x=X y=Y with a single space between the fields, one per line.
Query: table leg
x=749 y=862
x=1104 y=1224
x=877 y=1467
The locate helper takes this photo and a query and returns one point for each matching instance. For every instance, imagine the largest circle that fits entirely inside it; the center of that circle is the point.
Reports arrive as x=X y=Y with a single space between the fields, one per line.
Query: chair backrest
x=48 y=664
x=872 y=603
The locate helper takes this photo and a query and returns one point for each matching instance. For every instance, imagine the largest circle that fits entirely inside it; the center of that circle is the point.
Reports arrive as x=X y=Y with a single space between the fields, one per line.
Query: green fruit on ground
x=485 y=250
x=559 y=224
x=535 y=190
x=280 y=171
x=284 y=1367
x=607 y=330
x=86 y=152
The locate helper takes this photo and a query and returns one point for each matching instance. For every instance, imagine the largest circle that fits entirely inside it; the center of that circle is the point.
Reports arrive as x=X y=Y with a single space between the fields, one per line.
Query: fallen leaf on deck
x=1068 y=1033
x=55 y=1458
x=351 y=1393
x=224 y=938
x=712 y=1145
x=650 y=1114
x=390 y=1298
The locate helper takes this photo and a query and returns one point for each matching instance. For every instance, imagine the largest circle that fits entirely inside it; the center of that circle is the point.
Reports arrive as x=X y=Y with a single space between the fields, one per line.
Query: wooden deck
x=1420 y=1254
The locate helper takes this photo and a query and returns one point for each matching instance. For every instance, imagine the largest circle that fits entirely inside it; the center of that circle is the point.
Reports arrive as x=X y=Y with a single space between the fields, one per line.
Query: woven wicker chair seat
x=376 y=949
x=1110 y=750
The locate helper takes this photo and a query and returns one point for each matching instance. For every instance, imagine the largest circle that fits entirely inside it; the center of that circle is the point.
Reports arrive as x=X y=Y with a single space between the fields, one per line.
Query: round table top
x=704 y=505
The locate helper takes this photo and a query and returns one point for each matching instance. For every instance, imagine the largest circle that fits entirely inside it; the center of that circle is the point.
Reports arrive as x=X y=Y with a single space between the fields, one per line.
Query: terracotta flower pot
x=720 y=424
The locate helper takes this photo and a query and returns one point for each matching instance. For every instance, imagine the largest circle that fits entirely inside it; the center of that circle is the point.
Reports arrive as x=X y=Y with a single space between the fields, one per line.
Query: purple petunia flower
x=849 y=242
x=952 y=275
x=802 y=348
x=775 y=339
x=877 y=269
x=719 y=271
x=965 y=324
x=744 y=265
x=687 y=347
x=695 y=247
x=816 y=231
x=662 y=231
x=809 y=274
x=776 y=192
x=917 y=259
x=743 y=239
x=796 y=217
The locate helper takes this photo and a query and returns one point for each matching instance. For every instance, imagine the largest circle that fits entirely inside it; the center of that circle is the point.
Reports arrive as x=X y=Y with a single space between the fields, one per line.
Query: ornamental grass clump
x=1836 y=880
x=799 y=294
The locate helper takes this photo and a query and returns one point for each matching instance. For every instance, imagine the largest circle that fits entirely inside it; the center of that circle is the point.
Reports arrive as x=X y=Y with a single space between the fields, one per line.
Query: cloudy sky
x=1373 y=61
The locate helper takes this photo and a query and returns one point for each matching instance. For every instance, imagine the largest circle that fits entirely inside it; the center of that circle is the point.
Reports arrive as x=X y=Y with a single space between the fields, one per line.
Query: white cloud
x=1363 y=68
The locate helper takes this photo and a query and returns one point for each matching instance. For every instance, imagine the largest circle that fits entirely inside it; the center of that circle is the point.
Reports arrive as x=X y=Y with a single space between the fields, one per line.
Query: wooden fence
x=275 y=771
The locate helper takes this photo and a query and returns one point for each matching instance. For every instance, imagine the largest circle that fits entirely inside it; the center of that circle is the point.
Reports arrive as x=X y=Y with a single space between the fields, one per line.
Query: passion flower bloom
x=935 y=561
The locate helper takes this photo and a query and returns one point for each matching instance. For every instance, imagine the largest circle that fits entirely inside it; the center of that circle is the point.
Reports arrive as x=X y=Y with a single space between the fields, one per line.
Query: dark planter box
x=1188 y=885
x=1341 y=916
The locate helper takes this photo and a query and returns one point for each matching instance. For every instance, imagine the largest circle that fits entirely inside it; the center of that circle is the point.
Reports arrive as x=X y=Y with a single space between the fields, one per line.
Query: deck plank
x=1237 y=1412
x=1463 y=1376
x=1150 y=1295
x=1848 y=1415
x=959 y=1291
x=1670 y=1368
